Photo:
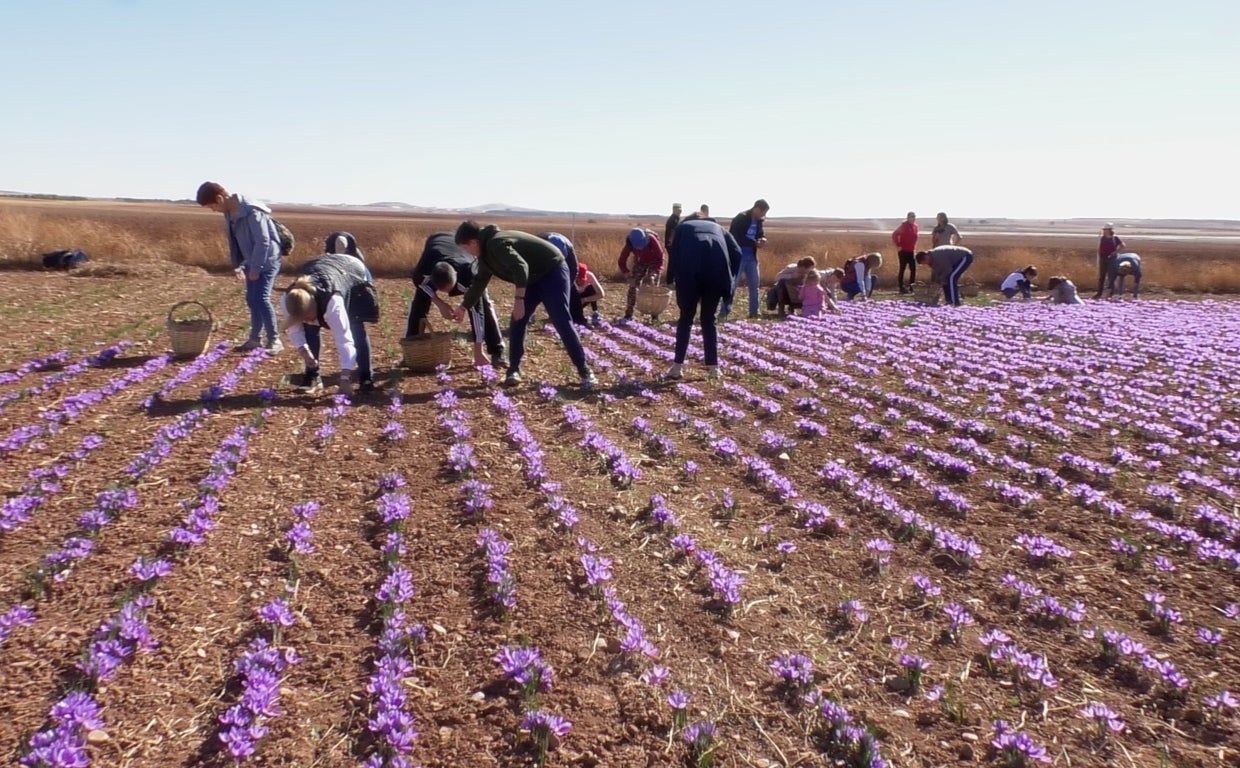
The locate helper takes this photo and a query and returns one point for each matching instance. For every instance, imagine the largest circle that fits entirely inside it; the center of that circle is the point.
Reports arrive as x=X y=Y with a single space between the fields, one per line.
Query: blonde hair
x=812 y=276
x=298 y=301
x=873 y=260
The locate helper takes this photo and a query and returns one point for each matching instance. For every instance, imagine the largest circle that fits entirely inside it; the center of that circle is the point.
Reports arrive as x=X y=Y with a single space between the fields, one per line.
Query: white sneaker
x=275 y=346
x=712 y=372
x=676 y=372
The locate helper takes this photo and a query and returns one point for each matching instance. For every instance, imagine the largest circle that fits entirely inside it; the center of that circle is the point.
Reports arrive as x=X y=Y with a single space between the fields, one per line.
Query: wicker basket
x=929 y=293
x=652 y=299
x=189 y=337
x=426 y=351
x=969 y=287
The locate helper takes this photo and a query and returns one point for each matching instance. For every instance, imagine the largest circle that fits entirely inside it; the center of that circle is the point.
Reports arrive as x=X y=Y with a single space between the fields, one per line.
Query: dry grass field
x=136 y=237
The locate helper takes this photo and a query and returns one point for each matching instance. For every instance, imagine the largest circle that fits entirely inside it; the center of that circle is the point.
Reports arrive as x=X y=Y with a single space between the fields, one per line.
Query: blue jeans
x=361 y=343
x=551 y=291
x=258 y=299
x=852 y=290
x=749 y=268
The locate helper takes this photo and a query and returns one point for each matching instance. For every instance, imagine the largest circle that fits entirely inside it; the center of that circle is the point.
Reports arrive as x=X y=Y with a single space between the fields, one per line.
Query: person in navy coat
x=703 y=259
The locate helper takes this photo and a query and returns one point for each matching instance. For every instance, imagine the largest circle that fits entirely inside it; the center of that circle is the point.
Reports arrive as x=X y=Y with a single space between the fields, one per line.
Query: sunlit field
x=1004 y=534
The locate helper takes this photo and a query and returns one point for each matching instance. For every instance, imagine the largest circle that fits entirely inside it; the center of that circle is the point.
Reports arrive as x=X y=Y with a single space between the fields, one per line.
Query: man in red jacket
x=905 y=239
x=647 y=263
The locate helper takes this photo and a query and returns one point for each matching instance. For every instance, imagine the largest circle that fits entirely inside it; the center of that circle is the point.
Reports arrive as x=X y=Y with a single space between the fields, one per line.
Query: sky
x=981 y=108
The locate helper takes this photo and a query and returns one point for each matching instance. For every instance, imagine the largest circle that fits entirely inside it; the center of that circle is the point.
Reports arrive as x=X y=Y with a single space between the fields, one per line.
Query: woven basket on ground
x=969 y=287
x=190 y=336
x=652 y=299
x=426 y=351
x=928 y=293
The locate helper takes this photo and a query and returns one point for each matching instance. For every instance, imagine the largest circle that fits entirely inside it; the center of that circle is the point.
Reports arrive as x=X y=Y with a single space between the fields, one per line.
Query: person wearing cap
x=344 y=242
x=673 y=221
x=254 y=248
x=747 y=230
x=589 y=292
x=575 y=307
x=648 y=257
x=944 y=232
x=700 y=268
x=1109 y=244
x=947 y=264
x=446 y=268
x=326 y=296
x=539 y=274
x=1123 y=265
x=905 y=239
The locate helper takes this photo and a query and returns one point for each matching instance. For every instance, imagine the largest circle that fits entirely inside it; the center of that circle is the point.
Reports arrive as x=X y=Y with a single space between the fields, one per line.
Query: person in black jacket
x=326 y=296
x=445 y=267
x=673 y=221
x=700 y=268
x=747 y=230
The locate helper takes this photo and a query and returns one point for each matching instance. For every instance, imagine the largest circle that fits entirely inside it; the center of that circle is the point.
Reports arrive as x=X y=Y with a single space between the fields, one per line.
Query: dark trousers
x=907 y=259
x=1024 y=288
x=578 y=302
x=361 y=343
x=482 y=321
x=551 y=291
x=688 y=298
x=1104 y=269
x=779 y=296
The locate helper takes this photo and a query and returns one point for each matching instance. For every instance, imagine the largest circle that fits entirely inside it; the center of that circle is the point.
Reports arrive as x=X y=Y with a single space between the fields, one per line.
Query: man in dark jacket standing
x=429 y=279
x=673 y=221
x=747 y=230
x=700 y=267
x=539 y=275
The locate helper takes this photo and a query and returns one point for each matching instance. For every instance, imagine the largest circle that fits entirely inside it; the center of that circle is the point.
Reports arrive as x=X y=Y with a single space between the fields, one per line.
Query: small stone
x=439 y=629
x=898 y=684
x=969 y=736
x=902 y=713
x=97 y=737
x=445 y=733
x=201 y=653
x=479 y=696
x=965 y=752
x=733 y=634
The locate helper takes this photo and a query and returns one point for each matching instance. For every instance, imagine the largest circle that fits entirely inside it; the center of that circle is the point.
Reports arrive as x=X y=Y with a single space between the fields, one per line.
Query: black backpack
x=64 y=259
x=287 y=241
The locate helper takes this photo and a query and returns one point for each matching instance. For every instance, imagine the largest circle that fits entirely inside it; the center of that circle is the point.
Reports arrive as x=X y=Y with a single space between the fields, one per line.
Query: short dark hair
x=920 y=257
x=443 y=276
x=837 y=272
x=760 y=203
x=1055 y=281
x=209 y=192
x=1030 y=270
x=808 y=261
x=468 y=230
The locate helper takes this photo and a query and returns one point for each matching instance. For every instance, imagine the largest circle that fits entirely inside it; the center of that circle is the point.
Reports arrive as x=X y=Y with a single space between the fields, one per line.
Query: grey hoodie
x=253 y=242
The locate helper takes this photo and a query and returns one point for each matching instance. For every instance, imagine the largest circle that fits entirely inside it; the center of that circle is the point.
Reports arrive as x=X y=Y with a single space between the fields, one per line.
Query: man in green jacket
x=539 y=275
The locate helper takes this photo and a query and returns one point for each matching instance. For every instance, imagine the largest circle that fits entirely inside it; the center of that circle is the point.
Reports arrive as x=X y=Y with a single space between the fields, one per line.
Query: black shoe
x=499 y=360
x=366 y=387
x=311 y=382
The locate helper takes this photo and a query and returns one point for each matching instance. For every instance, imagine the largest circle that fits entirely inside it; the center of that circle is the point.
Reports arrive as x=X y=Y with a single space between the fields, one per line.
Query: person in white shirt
x=859 y=278
x=327 y=294
x=1019 y=282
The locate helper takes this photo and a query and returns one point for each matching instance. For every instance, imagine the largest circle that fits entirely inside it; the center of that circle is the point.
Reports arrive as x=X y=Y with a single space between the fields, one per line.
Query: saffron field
x=997 y=535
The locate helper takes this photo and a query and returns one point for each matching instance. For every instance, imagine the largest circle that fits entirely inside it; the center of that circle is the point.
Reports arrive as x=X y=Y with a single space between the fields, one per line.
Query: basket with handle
x=928 y=293
x=189 y=336
x=428 y=350
x=652 y=298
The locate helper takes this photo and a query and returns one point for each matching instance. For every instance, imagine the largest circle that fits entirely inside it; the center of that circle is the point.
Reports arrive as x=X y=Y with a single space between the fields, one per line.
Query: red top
x=1109 y=246
x=905 y=236
x=652 y=255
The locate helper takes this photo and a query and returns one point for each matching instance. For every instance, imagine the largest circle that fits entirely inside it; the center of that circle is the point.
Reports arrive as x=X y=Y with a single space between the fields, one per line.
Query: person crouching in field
x=344 y=242
x=703 y=260
x=576 y=309
x=785 y=296
x=947 y=264
x=648 y=258
x=327 y=294
x=539 y=274
x=445 y=267
x=589 y=292
x=254 y=248
x=1122 y=266
x=1019 y=282
x=1061 y=290
x=814 y=296
x=859 y=278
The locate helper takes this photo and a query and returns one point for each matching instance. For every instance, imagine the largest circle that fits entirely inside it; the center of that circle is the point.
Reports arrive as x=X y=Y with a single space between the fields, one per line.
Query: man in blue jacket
x=1122 y=266
x=254 y=248
x=700 y=267
x=747 y=230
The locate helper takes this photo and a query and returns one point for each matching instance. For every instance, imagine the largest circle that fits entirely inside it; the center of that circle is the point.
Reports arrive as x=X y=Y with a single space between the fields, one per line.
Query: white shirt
x=1012 y=282
x=337 y=321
